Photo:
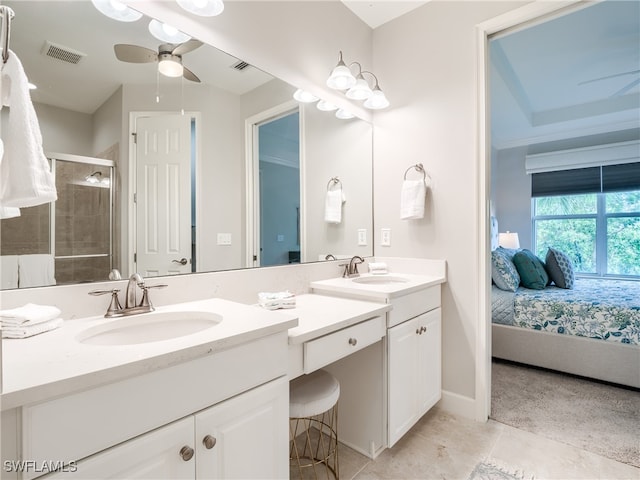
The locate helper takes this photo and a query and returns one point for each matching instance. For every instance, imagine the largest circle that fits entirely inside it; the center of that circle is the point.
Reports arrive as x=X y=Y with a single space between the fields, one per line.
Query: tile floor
x=444 y=446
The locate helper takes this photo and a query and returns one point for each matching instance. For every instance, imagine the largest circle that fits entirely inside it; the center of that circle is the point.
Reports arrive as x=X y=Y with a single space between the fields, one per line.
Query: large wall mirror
x=166 y=175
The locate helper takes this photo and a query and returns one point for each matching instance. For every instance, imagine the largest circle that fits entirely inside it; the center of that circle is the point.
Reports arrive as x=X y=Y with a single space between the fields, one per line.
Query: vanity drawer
x=334 y=346
x=413 y=304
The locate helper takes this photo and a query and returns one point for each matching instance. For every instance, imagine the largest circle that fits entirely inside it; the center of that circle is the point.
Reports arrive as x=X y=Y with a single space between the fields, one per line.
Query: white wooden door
x=403 y=374
x=163 y=195
x=246 y=436
x=429 y=360
x=154 y=456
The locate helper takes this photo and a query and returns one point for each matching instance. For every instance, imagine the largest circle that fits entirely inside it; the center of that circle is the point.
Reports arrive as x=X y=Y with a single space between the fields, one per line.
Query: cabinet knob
x=186 y=453
x=209 y=442
x=353 y=341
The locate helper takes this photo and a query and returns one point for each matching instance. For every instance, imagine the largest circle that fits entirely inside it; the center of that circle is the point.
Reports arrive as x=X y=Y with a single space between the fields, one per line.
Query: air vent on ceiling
x=240 y=65
x=62 y=53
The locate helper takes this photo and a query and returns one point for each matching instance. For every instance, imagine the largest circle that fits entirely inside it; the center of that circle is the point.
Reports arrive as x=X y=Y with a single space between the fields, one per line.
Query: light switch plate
x=385 y=237
x=224 y=239
x=362 y=237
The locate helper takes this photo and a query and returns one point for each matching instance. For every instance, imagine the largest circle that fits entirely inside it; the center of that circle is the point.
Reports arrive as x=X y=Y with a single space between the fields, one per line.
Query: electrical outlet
x=280 y=238
x=362 y=237
x=385 y=239
x=224 y=239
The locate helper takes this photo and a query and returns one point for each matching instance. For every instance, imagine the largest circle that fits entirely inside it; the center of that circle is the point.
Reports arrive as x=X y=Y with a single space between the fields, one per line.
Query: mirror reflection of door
x=279 y=190
x=163 y=196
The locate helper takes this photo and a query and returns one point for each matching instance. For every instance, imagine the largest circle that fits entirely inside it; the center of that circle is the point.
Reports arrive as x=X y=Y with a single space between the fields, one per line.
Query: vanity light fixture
x=326 y=106
x=170 y=65
x=304 y=96
x=357 y=88
x=117 y=10
x=203 y=8
x=167 y=33
x=96 y=178
x=343 y=114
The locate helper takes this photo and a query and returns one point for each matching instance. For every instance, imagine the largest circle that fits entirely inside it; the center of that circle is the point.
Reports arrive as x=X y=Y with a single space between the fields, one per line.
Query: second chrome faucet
x=351 y=268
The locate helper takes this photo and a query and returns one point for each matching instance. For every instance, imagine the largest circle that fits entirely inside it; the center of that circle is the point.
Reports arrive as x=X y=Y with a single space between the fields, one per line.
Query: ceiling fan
x=168 y=56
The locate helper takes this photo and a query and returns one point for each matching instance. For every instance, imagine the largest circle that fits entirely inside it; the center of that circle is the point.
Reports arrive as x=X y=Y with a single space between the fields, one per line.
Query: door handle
x=182 y=261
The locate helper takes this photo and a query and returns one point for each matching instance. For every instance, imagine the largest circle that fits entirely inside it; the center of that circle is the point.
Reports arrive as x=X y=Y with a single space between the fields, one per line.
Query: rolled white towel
x=29 y=314
x=29 y=330
x=275 y=300
x=378 y=268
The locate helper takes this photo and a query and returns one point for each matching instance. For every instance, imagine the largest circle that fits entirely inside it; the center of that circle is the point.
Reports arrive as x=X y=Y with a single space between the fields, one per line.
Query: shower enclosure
x=78 y=229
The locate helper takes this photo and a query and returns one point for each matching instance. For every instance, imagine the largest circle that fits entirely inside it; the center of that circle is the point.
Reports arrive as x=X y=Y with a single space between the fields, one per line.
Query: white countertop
x=377 y=291
x=320 y=315
x=56 y=363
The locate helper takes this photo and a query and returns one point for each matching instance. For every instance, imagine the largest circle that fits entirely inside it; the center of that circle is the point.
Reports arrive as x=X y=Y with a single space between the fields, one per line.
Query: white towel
x=333 y=206
x=275 y=300
x=6 y=212
x=378 y=268
x=28 y=314
x=24 y=331
x=36 y=270
x=412 y=199
x=9 y=271
x=25 y=176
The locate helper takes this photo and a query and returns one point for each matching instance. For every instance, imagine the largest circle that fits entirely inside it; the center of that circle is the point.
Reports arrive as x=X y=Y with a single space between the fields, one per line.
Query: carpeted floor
x=597 y=417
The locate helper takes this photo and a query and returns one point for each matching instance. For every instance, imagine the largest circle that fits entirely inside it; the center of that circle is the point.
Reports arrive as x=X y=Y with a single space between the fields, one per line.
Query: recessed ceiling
x=376 y=13
x=572 y=76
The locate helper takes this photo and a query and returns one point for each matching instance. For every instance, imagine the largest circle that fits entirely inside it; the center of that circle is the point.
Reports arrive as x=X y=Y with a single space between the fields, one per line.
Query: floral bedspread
x=595 y=308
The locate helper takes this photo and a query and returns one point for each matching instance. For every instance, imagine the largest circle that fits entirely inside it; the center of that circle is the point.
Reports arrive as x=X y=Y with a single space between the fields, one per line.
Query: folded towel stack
x=29 y=320
x=275 y=300
x=378 y=268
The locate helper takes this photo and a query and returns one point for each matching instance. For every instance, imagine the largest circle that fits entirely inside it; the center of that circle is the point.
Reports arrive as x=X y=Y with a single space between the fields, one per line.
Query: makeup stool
x=313 y=422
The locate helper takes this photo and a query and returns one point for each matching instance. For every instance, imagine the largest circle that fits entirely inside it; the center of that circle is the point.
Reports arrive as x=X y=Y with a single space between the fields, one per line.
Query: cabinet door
x=403 y=374
x=154 y=455
x=429 y=360
x=246 y=436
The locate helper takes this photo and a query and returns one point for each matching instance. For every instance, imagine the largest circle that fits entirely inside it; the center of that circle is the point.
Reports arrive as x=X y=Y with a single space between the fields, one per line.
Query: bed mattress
x=602 y=309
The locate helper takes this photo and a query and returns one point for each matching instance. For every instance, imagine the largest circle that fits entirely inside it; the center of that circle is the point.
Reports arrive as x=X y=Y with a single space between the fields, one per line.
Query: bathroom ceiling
x=376 y=13
x=571 y=77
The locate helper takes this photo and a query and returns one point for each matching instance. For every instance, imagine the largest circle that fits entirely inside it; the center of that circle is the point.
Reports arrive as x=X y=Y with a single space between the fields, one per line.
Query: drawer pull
x=186 y=453
x=353 y=341
x=209 y=442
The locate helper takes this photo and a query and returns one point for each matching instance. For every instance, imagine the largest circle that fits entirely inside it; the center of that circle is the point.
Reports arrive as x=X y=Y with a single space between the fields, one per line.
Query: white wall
x=426 y=63
x=511 y=187
x=65 y=131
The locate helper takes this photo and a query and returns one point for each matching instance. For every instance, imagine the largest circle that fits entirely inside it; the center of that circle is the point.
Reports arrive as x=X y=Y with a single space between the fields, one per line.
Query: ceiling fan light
x=117 y=10
x=360 y=90
x=304 y=96
x=203 y=8
x=326 y=106
x=170 y=67
x=167 y=33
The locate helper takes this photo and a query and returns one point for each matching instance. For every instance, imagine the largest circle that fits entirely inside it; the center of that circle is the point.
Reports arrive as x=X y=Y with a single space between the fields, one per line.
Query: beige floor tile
x=547 y=459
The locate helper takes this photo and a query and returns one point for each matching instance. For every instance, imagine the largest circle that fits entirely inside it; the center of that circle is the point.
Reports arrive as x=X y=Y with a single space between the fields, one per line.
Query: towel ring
x=7 y=15
x=333 y=181
x=418 y=168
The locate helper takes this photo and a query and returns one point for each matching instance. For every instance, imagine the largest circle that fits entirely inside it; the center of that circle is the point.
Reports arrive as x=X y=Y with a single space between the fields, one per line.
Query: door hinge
x=135 y=137
x=135 y=258
x=255 y=258
x=135 y=198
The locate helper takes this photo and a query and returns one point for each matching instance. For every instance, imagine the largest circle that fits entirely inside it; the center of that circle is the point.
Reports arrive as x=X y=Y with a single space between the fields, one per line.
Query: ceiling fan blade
x=187 y=47
x=189 y=75
x=134 y=53
x=628 y=87
x=606 y=77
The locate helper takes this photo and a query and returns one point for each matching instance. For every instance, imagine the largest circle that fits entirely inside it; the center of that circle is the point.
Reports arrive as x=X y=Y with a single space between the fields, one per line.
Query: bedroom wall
x=426 y=64
x=511 y=191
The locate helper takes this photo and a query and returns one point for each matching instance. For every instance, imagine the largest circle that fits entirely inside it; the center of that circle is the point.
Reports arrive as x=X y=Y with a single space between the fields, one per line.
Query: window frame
x=601 y=218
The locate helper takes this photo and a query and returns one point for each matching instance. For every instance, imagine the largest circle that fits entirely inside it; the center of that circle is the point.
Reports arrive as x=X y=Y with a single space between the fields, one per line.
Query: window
x=600 y=232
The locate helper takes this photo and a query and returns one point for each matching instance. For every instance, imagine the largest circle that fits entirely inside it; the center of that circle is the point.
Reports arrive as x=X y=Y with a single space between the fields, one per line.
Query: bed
x=592 y=330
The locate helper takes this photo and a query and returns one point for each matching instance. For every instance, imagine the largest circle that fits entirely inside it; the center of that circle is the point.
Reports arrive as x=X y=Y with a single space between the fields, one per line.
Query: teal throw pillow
x=531 y=270
x=560 y=268
x=503 y=271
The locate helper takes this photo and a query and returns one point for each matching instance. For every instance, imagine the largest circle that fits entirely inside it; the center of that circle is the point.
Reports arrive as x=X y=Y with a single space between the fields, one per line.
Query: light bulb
x=167 y=33
x=359 y=91
x=204 y=8
x=304 y=96
x=377 y=100
x=326 y=106
x=170 y=67
x=116 y=10
x=343 y=114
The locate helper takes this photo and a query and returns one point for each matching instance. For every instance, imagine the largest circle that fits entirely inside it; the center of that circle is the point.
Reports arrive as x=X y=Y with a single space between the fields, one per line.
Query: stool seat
x=313 y=394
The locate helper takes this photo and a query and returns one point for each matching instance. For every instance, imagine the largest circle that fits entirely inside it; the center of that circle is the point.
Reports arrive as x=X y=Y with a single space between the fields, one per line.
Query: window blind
x=607 y=178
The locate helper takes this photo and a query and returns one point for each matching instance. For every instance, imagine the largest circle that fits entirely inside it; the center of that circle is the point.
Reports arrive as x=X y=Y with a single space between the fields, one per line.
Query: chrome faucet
x=131 y=306
x=351 y=268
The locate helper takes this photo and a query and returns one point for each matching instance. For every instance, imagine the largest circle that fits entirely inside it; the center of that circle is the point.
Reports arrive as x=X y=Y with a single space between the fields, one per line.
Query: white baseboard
x=458 y=404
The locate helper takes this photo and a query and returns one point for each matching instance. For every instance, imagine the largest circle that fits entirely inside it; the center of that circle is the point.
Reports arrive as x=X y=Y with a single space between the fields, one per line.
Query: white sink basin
x=149 y=327
x=381 y=280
